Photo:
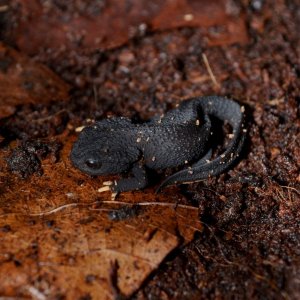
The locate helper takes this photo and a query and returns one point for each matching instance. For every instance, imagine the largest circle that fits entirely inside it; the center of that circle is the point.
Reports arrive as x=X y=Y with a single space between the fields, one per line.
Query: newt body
x=180 y=138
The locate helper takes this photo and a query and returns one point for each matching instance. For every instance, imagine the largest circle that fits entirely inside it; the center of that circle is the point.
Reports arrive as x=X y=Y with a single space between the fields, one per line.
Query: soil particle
x=25 y=160
x=124 y=213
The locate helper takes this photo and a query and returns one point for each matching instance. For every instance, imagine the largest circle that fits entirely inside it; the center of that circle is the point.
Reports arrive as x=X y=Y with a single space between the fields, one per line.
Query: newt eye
x=93 y=163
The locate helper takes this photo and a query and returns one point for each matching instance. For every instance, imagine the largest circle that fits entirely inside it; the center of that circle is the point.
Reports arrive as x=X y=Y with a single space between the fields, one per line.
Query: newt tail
x=227 y=111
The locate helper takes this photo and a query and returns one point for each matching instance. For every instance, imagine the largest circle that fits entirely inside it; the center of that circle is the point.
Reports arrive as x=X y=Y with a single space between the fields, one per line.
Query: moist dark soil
x=249 y=247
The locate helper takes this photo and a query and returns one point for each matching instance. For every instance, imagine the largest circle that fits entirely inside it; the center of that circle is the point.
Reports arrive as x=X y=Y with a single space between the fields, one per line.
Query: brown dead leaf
x=23 y=81
x=59 y=236
x=109 y=25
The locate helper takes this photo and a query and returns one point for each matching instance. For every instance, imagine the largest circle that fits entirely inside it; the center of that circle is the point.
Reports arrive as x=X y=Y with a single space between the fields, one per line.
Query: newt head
x=103 y=151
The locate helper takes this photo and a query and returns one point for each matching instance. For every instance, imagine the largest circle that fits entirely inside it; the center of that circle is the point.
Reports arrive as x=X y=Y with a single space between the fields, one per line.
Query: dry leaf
x=106 y=26
x=23 y=81
x=59 y=236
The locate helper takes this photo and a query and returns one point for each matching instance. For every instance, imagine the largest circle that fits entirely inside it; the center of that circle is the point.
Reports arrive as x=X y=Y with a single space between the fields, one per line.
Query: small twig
x=291 y=188
x=152 y=203
x=59 y=208
x=54 y=210
x=40 y=120
x=210 y=72
x=276 y=101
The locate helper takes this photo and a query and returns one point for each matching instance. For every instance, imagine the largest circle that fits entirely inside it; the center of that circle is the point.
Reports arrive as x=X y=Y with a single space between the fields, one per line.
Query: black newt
x=180 y=138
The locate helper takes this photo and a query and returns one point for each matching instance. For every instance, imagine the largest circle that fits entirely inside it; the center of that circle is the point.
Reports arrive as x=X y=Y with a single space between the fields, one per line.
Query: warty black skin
x=179 y=138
